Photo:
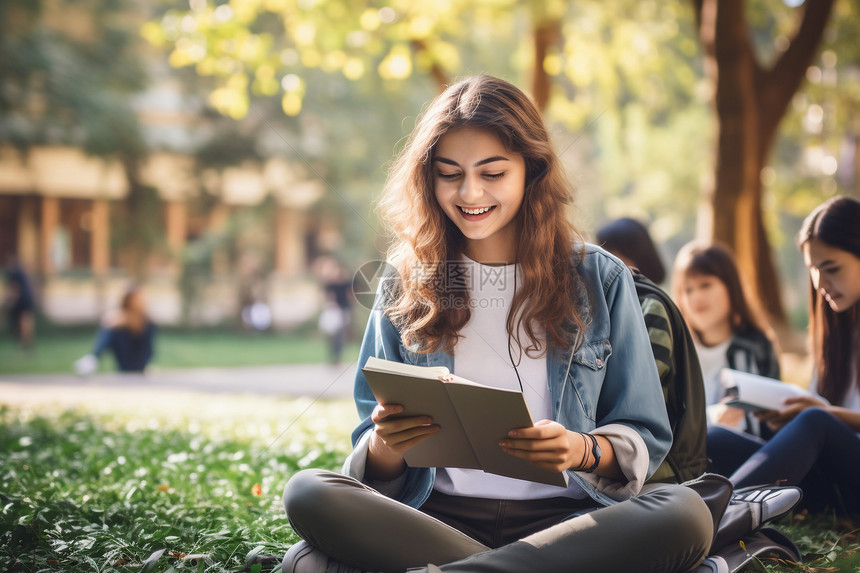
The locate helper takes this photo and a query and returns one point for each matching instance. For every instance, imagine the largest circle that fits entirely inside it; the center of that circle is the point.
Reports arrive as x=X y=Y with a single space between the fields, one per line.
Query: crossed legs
x=667 y=528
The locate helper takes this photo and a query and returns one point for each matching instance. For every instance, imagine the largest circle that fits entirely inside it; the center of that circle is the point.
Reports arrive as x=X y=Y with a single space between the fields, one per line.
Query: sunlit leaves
x=294 y=91
x=397 y=65
x=394 y=39
x=232 y=98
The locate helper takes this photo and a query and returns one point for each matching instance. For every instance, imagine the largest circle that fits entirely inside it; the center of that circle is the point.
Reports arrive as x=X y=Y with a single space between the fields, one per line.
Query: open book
x=755 y=393
x=472 y=417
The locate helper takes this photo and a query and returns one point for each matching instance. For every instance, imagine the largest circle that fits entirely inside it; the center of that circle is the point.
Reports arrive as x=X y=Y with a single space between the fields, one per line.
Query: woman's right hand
x=793 y=406
x=393 y=437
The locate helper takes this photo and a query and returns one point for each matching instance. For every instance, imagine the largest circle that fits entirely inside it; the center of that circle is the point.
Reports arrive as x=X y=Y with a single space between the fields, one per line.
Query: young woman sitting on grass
x=817 y=440
x=127 y=332
x=494 y=284
x=728 y=333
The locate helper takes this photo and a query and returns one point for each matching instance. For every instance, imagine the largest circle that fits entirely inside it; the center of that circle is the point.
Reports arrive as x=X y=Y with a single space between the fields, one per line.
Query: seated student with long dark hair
x=817 y=444
x=727 y=329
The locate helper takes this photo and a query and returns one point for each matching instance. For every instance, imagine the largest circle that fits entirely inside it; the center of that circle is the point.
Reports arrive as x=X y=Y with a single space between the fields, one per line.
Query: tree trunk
x=750 y=102
x=136 y=248
x=546 y=34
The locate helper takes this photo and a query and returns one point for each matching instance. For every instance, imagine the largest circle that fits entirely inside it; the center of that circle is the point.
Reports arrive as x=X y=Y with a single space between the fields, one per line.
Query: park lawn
x=57 y=349
x=181 y=482
x=191 y=482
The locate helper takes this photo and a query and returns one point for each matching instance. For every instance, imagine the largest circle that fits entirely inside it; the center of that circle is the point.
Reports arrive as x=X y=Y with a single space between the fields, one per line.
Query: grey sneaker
x=752 y=507
x=305 y=558
x=772 y=501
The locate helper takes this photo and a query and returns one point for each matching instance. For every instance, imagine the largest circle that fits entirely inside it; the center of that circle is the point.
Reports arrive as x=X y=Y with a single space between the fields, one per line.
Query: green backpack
x=683 y=389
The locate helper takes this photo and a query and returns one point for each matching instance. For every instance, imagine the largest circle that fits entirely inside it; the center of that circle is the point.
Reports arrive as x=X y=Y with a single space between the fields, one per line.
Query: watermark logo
x=454 y=283
x=366 y=280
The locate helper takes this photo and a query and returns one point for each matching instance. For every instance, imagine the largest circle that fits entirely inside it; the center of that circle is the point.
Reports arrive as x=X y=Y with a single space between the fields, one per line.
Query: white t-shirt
x=852 y=396
x=482 y=355
x=852 y=399
x=713 y=359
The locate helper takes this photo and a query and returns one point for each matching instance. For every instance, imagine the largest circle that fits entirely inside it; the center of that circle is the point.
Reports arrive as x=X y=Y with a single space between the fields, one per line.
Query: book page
x=488 y=414
x=425 y=397
x=756 y=392
x=380 y=365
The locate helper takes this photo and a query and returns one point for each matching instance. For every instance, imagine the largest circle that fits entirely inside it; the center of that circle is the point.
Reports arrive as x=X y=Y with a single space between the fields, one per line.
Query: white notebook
x=758 y=393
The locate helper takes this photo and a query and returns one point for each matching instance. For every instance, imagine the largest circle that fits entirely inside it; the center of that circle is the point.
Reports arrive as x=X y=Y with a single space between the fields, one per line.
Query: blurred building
x=55 y=212
x=59 y=206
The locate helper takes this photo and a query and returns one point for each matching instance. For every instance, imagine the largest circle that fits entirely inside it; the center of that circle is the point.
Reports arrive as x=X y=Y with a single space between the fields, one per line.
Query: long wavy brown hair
x=833 y=334
x=427 y=246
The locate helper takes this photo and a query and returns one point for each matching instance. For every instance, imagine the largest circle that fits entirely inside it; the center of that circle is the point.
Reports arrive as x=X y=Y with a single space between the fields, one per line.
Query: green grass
x=167 y=484
x=106 y=489
x=828 y=544
x=57 y=349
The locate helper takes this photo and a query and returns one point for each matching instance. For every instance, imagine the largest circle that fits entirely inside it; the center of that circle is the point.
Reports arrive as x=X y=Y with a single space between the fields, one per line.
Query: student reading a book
x=491 y=283
x=817 y=444
x=726 y=329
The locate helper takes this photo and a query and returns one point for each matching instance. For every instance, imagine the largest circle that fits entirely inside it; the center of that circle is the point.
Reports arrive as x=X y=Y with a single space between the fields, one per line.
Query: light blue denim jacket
x=610 y=378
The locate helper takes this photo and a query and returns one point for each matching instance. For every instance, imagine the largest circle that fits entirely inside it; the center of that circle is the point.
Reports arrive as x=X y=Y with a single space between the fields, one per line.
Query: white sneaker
x=305 y=558
x=86 y=365
x=750 y=508
x=772 y=501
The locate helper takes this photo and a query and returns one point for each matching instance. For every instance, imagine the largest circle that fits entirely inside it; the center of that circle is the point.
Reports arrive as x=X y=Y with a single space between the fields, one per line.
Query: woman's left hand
x=793 y=407
x=548 y=445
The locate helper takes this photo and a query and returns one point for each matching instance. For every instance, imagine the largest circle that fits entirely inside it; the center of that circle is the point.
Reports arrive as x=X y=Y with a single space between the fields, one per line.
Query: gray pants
x=667 y=528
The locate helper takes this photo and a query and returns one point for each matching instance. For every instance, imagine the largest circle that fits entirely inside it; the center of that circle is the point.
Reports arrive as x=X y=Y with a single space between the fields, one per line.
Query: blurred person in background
x=20 y=303
x=726 y=327
x=628 y=239
x=728 y=333
x=336 y=316
x=127 y=332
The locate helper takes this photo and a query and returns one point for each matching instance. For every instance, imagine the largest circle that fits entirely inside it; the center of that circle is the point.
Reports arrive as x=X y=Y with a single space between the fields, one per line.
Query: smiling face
x=706 y=305
x=480 y=186
x=835 y=274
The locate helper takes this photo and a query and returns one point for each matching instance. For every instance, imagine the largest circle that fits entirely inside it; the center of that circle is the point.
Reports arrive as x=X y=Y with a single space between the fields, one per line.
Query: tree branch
x=697 y=13
x=778 y=85
x=436 y=70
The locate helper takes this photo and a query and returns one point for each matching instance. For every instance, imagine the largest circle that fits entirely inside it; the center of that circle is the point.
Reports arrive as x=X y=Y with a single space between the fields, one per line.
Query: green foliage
x=69 y=81
x=266 y=48
x=113 y=491
x=626 y=73
x=632 y=69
